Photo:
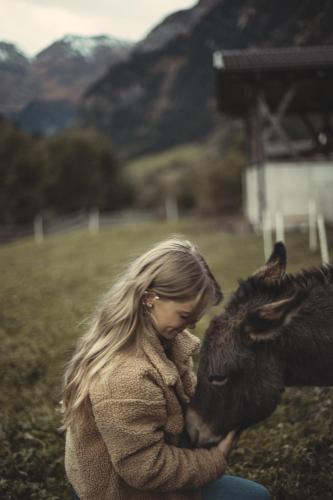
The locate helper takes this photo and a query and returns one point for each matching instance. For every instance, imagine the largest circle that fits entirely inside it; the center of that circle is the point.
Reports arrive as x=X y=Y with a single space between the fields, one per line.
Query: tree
x=22 y=160
x=83 y=172
x=217 y=185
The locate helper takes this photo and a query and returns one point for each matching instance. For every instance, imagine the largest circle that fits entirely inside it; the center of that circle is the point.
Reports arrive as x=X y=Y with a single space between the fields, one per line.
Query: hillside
x=48 y=291
x=16 y=80
x=42 y=93
x=163 y=94
x=66 y=68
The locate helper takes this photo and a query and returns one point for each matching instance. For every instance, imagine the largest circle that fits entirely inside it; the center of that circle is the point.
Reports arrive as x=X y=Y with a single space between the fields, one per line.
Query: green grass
x=47 y=292
x=158 y=162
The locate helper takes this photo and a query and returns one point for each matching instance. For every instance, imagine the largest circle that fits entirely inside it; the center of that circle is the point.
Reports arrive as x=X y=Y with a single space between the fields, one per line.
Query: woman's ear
x=149 y=297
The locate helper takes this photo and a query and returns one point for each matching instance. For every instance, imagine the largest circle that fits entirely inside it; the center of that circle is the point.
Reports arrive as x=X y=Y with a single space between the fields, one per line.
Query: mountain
x=178 y=23
x=163 y=94
x=41 y=94
x=66 y=68
x=16 y=80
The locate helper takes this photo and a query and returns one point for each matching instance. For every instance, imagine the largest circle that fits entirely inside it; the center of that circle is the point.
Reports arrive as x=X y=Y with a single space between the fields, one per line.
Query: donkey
x=276 y=331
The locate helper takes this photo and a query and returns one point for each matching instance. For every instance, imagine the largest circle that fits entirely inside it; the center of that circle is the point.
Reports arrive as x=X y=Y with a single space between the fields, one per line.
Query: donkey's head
x=240 y=375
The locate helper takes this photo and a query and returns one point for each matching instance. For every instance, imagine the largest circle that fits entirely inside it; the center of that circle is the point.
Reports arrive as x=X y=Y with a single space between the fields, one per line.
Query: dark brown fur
x=276 y=331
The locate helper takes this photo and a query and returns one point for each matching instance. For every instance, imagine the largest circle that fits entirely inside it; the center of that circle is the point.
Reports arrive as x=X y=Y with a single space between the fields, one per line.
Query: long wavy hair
x=173 y=269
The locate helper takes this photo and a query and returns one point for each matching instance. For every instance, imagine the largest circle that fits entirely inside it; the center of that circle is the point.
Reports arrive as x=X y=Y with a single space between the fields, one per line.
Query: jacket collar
x=182 y=347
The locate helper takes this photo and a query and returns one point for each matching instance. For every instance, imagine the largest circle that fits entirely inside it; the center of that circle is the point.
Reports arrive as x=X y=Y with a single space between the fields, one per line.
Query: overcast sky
x=33 y=24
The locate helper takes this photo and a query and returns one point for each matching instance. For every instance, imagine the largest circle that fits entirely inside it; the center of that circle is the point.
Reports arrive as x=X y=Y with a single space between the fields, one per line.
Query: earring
x=150 y=304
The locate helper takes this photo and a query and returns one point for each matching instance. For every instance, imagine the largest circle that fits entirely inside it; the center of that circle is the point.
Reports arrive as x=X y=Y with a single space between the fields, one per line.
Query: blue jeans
x=230 y=488
x=234 y=488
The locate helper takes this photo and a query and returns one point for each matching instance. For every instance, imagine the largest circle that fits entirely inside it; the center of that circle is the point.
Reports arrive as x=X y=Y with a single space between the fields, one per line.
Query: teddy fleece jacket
x=128 y=447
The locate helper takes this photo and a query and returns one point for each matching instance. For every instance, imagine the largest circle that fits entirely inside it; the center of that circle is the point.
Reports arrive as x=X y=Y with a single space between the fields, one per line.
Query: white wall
x=289 y=187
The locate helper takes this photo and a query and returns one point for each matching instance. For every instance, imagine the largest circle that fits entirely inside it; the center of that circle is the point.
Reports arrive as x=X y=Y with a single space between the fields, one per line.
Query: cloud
x=33 y=27
x=34 y=24
x=141 y=8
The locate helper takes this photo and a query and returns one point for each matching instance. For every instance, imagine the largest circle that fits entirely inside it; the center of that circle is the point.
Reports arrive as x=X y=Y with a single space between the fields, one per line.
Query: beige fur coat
x=129 y=447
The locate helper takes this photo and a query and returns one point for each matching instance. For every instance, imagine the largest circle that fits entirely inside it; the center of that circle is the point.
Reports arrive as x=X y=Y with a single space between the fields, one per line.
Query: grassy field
x=48 y=290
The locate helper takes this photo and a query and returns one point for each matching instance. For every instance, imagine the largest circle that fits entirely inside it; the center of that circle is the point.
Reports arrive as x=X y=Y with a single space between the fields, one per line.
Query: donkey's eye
x=217 y=380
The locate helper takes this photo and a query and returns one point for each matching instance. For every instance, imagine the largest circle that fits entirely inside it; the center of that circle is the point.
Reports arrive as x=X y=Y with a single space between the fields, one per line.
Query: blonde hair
x=173 y=269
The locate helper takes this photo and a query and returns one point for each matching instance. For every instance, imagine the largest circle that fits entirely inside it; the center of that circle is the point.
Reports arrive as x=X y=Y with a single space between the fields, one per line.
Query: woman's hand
x=228 y=443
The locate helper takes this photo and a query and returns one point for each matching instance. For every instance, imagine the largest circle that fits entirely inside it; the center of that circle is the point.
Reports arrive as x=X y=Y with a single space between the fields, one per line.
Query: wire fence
x=273 y=225
x=41 y=227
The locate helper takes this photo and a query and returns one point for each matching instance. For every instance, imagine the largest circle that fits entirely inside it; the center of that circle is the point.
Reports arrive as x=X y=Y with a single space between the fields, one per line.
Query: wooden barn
x=285 y=98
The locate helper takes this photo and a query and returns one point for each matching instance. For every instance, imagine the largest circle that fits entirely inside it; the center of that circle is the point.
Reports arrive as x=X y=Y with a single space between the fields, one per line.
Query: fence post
x=279 y=227
x=38 y=229
x=267 y=233
x=323 y=240
x=93 y=221
x=313 y=242
x=171 y=209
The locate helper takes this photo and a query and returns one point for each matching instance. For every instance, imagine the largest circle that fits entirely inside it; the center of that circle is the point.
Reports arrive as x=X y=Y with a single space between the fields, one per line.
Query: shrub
x=83 y=172
x=22 y=163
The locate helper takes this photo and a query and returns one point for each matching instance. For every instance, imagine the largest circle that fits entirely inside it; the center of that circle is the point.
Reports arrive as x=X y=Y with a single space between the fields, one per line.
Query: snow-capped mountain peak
x=86 y=46
x=4 y=55
x=8 y=51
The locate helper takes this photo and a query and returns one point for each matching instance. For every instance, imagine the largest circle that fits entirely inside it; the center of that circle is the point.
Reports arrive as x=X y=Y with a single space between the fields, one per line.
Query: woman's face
x=171 y=317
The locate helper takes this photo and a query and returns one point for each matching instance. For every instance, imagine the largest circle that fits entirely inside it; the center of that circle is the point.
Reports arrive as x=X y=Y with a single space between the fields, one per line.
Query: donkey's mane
x=315 y=276
x=305 y=279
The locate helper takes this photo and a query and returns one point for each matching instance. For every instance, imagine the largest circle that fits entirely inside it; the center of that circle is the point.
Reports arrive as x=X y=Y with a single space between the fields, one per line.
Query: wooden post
x=171 y=209
x=279 y=227
x=275 y=122
x=256 y=150
x=38 y=229
x=267 y=233
x=323 y=240
x=93 y=221
x=313 y=243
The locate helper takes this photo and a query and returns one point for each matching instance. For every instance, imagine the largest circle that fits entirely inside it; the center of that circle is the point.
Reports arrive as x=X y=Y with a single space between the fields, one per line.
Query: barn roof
x=268 y=59
x=241 y=74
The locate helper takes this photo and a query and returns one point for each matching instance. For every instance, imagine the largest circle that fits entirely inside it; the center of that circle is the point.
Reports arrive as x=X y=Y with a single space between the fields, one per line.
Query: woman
x=127 y=386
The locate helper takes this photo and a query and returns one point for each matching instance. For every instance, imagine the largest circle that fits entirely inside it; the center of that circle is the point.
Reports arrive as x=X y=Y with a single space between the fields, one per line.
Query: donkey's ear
x=265 y=322
x=275 y=267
